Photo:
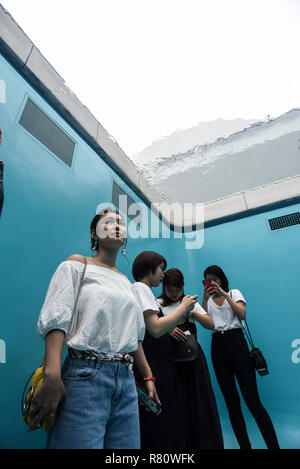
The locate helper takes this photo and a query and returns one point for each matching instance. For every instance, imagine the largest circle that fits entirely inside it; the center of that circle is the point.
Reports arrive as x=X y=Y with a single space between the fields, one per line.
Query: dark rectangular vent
x=40 y=126
x=284 y=221
x=116 y=192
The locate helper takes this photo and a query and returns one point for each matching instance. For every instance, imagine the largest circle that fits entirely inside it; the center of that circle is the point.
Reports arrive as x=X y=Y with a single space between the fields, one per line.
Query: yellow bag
x=34 y=381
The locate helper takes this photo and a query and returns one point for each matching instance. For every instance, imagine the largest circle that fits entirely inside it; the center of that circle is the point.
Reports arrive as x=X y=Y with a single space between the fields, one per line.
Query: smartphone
x=143 y=396
x=207 y=284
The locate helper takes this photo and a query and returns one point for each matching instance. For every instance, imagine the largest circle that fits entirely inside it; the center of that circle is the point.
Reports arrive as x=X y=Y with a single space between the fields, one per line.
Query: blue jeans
x=100 y=409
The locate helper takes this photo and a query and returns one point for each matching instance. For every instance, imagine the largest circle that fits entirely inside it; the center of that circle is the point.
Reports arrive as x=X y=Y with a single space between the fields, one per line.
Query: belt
x=106 y=356
x=217 y=333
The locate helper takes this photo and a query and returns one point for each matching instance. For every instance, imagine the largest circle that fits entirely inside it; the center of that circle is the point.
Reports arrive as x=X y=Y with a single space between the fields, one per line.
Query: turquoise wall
x=46 y=216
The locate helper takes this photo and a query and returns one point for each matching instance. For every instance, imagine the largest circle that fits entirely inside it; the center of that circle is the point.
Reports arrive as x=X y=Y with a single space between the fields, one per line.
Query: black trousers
x=231 y=361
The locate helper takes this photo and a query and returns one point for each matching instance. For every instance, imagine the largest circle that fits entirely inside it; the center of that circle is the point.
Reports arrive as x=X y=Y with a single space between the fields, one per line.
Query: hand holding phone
x=144 y=398
x=188 y=302
x=209 y=287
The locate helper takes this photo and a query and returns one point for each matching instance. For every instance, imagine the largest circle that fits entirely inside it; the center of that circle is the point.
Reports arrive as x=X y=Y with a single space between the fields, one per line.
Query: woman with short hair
x=163 y=431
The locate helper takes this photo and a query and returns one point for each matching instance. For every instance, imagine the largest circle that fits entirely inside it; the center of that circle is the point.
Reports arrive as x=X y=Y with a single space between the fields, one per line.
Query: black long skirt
x=201 y=424
x=164 y=431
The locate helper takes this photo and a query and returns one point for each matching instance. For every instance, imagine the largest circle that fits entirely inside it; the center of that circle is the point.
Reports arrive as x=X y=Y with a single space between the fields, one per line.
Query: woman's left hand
x=218 y=289
x=152 y=393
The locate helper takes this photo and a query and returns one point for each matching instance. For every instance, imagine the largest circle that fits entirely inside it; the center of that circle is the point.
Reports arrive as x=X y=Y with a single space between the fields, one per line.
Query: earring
x=124 y=248
x=94 y=244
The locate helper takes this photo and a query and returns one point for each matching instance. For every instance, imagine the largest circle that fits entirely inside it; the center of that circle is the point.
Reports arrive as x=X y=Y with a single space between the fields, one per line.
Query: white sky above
x=145 y=68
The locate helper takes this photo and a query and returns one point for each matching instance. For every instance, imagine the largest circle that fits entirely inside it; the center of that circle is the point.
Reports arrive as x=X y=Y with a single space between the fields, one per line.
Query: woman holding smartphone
x=163 y=431
x=231 y=357
x=200 y=418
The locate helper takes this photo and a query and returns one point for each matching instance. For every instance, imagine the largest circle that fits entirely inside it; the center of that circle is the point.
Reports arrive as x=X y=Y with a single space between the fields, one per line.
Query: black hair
x=173 y=277
x=218 y=272
x=146 y=262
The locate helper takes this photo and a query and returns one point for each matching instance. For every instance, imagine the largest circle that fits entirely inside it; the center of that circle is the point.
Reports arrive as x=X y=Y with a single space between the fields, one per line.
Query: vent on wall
x=40 y=126
x=285 y=221
x=116 y=192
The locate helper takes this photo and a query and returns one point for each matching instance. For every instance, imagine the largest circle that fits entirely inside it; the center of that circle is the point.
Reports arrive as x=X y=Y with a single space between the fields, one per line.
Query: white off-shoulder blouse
x=109 y=318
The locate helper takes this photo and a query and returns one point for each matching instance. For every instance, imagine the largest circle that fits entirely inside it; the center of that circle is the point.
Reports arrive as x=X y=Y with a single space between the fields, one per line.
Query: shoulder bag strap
x=248 y=335
x=74 y=313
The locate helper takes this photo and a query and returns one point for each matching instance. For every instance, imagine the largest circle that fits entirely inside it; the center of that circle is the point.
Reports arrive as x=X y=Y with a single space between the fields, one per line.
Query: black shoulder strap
x=160 y=314
x=248 y=335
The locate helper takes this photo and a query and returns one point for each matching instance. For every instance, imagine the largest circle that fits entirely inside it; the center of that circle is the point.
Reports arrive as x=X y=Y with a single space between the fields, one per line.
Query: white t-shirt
x=109 y=317
x=168 y=309
x=145 y=297
x=224 y=316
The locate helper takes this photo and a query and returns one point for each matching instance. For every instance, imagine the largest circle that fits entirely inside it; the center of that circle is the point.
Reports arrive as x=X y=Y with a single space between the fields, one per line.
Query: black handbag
x=188 y=350
x=258 y=360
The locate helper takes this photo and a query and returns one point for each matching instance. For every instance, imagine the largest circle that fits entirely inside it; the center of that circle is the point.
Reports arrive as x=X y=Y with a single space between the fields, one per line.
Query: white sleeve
x=145 y=297
x=237 y=296
x=58 y=307
x=199 y=308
